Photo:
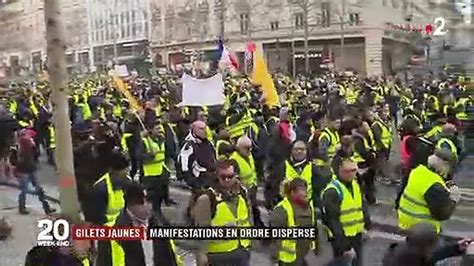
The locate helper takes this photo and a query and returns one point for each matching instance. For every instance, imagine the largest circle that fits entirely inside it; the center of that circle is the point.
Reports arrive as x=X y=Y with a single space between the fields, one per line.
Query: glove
x=454 y=193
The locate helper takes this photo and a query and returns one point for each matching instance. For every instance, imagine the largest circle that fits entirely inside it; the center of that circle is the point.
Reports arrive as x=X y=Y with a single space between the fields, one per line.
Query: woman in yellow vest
x=346 y=215
x=294 y=210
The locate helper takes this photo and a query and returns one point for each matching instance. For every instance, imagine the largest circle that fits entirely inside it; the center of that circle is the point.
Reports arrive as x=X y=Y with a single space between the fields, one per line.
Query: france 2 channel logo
x=54 y=233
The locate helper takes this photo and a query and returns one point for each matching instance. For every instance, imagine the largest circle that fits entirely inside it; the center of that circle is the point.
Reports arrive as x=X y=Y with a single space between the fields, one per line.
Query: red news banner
x=60 y=233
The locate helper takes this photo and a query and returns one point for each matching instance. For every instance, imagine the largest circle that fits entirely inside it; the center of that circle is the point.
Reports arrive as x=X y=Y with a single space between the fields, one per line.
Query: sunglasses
x=227 y=177
x=350 y=170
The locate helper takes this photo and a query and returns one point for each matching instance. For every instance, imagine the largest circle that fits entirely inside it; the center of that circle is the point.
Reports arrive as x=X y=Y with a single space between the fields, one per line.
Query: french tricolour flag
x=226 y=57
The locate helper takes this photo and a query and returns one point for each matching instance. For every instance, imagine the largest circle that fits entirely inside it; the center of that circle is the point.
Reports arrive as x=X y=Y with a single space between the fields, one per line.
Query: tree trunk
x=306 y=44
x=56 y=48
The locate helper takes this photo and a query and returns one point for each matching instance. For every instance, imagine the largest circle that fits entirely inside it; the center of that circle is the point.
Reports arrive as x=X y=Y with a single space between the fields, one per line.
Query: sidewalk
x=14 y=249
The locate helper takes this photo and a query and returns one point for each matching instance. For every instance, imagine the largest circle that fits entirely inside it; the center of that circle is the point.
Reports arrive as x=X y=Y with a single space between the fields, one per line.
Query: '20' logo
x=53 y=230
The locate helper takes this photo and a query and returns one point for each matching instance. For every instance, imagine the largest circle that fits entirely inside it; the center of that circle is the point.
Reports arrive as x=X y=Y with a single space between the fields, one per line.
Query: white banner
x=202 y=92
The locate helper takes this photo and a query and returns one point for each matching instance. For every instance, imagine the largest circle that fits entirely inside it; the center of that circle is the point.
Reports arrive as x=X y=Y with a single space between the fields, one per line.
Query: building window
x=299 y=21
x=274 y=25
x=354 y=19
x=244 y=23
x=326 y=14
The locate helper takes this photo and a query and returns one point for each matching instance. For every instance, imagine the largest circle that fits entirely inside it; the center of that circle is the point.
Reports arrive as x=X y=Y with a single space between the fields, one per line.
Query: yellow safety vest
x=13 y=107
x=333 y=139
x=460 y=108
x=24 y=124
x=433 y=132
x=123 y=141
x=85 y=262
x=247 y=172
x=287 y=253
x=386 y=134
x=414 y=117
x=117 y=111
x=33 y=107
x=435 y=105
x=306 y=175
x=179 y=261
x=118 y=254
x=352 y=215
x=225 y=218
x=452 y=147
x=52 y=137
x=115 y=202
x=351 y=96
x=238 y=129
x=85 y=109
x=155 y=167
x=101 y=112
x=413 y=208
x=218 y=145
x=356 y=157
x=210 y=135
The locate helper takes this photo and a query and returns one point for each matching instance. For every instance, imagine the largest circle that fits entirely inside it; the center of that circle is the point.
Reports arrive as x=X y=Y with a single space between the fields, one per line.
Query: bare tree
x=306 y=7
x=342 y=20
x=58 y=76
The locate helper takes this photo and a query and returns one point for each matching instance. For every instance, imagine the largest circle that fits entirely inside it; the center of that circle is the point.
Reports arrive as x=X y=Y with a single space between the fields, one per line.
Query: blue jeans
x=24 y=180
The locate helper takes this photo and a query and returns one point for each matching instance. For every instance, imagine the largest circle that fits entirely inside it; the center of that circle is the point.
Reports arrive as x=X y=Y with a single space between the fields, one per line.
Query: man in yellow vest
x=155 y=175
x=345 y=213
x=449 y=142
x=225 y=204
x=364 y=156
x=246 y=169
x=109 y=191
x=428 y=197
x=432 y=106
x=294 y=210
x=382 y=130
x=298 y=166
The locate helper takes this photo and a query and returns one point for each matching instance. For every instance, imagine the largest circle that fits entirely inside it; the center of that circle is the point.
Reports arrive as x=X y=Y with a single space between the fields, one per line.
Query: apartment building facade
x=119 y=31
x=183 y=28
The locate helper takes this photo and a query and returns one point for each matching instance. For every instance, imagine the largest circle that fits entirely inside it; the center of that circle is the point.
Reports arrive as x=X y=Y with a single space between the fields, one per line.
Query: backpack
x=212 y=197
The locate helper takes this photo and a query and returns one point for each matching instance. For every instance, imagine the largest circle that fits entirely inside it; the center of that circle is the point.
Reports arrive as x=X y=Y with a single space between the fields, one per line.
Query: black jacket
x=201 y=151
x=134 y=252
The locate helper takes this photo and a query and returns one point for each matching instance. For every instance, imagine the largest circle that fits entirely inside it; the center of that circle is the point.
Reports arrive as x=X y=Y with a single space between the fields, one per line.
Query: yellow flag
x=123 y=88
x=260 y=76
